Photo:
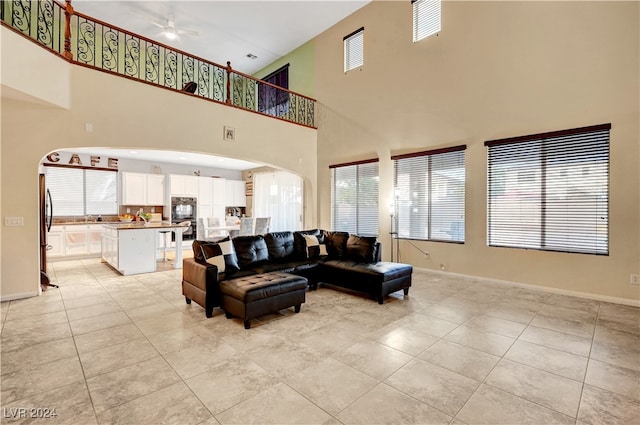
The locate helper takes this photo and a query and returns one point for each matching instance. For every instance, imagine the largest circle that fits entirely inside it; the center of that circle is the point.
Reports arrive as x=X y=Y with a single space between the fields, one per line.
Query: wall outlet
x=14 y=221
x=634 y=279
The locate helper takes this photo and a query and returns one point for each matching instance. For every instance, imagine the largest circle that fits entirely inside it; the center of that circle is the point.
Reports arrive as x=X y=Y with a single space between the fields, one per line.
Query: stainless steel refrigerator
x=46 y=218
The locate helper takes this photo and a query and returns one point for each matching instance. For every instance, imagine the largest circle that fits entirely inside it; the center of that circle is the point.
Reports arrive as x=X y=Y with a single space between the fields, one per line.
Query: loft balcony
x=89 y=42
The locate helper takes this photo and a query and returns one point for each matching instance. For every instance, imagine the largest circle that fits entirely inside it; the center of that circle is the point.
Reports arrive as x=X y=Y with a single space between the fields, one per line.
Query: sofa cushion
x=300 y=245
x=250 y=250
x=361 y=249
x=336 y=244
x=222 y=255
x=315 y=246
x=280 y=246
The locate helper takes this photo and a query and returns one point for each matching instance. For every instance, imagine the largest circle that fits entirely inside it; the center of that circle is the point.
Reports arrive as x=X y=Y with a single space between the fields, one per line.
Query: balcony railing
x=90 y=42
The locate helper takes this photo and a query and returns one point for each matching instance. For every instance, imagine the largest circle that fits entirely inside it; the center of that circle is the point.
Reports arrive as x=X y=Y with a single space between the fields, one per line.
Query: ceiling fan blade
x=158 y=25
x=188 y=32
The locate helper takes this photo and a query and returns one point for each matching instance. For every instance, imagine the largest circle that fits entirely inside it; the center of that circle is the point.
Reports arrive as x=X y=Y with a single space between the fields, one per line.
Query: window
x=426 y=18
x=354 y=50
x=430 y=192
x=278 y=195
x=79 y=191
x=272 y=100
x=550 y=191
x=354 y=197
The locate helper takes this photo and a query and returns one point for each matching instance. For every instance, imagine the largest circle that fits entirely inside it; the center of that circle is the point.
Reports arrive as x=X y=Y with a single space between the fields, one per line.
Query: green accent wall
x=302 y=77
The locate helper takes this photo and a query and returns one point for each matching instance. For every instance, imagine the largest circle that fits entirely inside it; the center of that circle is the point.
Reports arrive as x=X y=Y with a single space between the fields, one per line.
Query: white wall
x=496 y=70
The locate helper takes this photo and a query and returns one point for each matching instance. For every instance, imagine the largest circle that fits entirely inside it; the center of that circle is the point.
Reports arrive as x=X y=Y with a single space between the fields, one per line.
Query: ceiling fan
x=171 y=32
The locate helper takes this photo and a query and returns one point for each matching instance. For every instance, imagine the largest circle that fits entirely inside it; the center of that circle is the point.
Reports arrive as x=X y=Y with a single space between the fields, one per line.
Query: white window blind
x=550 y=191
x=78 y=192
x=430 y=194
x=354 y=50
x=354 y=198
x=426 y=18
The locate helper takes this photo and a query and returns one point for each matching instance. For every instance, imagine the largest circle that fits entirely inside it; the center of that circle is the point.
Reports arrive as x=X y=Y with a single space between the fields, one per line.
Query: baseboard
x=19 y=296
x=550 y=289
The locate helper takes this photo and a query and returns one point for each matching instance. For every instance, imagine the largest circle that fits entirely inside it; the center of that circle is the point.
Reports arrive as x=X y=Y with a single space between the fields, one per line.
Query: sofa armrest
x=200 y=284
x=377 y=253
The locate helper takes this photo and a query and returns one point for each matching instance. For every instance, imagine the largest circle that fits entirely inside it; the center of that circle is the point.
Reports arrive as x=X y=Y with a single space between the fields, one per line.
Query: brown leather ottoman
x=252 y=296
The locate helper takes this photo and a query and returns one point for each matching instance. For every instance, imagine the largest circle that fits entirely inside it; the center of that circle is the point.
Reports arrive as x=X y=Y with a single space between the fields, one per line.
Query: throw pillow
x=315 y=248
x=221 y=255
x=336 y=244
x=361 y=249
x=197 y=250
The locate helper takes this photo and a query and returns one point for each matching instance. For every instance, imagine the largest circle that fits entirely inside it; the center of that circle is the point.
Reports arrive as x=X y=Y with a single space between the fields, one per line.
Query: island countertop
x=139 y=225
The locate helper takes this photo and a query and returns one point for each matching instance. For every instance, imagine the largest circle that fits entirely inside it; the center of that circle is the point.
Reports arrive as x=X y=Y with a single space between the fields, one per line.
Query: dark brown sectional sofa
x=249 y=276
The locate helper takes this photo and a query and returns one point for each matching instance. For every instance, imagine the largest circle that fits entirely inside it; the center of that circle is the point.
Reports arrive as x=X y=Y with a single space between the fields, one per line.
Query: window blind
x=78 y=191
x=354 y=198
x=426 y=18
x=550 y=191
x=430 y=194
x=354 y=50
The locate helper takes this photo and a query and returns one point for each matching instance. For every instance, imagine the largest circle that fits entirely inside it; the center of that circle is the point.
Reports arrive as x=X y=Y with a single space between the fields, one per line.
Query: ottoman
x=252 y=296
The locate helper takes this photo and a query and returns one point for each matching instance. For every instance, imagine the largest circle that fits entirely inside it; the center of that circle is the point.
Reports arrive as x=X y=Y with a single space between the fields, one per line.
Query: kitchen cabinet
x=205 y=191
x=219 y=192
x=155 y=189
x=55 y=239
x=131 y=251
x=142 y=189
x=212 y=198
x=235 y=193
x=133 y=248
x=94 y=236
x=74 y=241
x=181 y=185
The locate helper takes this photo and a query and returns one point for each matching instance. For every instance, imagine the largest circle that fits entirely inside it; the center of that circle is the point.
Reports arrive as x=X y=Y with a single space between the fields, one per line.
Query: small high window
x=426 y=18
x=354 y=50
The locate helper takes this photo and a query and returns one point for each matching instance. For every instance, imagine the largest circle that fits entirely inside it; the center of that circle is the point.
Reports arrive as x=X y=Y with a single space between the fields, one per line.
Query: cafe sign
x=74 y=159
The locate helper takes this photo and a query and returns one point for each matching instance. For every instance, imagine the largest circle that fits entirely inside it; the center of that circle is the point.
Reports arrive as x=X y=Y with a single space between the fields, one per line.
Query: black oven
x=184 y=209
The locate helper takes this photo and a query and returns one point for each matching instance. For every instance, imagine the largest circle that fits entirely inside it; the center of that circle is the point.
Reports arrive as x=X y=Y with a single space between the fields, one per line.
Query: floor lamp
x=393 y=233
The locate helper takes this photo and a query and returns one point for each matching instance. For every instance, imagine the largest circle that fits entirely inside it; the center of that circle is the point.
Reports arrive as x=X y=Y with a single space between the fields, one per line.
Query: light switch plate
x=14 y=221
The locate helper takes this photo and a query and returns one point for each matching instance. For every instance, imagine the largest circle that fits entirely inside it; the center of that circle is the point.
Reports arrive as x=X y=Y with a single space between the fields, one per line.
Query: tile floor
x=105 y=348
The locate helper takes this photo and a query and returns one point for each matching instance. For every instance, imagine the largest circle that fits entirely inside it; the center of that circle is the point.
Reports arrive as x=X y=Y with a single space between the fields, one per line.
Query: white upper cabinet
x=155 y=189
x=205 y=193
x=181 y=185
x=219 y=192
x=142 y=189
x=235 y=193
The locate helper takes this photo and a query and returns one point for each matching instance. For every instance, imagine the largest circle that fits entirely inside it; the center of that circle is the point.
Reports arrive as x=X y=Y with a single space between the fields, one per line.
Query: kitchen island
x=131 y=248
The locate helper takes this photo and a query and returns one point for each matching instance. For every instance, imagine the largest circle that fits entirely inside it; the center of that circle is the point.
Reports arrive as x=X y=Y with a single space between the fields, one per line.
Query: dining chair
x=246 y=226
x=201 y=229
x=213 y=224
x=262 y=225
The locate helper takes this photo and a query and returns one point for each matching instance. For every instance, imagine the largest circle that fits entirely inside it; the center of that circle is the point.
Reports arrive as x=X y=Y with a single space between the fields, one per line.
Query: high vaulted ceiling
x=227 y=30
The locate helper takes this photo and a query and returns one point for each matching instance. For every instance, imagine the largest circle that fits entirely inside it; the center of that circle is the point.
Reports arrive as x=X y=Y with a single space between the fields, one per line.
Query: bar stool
x=164 y=243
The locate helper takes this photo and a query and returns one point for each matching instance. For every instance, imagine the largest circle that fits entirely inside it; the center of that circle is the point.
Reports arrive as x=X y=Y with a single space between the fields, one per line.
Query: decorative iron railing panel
x=42 y=20
x=97 y=44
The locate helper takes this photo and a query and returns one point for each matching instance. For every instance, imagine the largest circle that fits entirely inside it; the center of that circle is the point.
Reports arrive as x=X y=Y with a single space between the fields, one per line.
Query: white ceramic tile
x=544 y=388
